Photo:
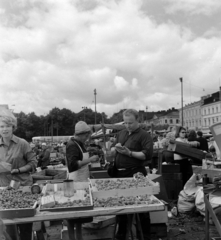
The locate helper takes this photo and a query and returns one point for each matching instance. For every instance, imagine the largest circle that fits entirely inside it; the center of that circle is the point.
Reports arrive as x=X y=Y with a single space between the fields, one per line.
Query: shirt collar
x=13 y=139
x=135 y=131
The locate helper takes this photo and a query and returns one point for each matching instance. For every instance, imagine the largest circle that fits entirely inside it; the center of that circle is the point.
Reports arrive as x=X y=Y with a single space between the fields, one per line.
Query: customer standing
x=183 y=161
x=130 y=159
x=44 y=156
x=77 y=162
x=17 y=155
x=203 y=142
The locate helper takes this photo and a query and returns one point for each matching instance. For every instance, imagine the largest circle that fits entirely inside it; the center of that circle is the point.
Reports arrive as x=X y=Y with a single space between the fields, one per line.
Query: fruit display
x=17 y=199
x=74 y=203
x=125 y=201
x=122 y=183
x=55 y=200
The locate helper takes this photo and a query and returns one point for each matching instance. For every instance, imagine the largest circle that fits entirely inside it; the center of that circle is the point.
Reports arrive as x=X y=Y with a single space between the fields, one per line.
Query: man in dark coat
x=133 y=148
x=203 y=142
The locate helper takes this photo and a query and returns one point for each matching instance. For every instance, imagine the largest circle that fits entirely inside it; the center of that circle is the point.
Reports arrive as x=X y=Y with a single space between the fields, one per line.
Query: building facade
x=192 y=118
x=202 y=114
x=211 y=111
x=169 y=117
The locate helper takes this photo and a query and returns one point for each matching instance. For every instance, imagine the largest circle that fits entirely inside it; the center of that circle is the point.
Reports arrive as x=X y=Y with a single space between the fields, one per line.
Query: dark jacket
x=44 y=158
x=203 y=143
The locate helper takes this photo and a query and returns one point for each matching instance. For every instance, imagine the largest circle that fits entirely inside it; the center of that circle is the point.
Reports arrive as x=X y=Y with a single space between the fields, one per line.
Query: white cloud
x=55 y=53
x=206 y=7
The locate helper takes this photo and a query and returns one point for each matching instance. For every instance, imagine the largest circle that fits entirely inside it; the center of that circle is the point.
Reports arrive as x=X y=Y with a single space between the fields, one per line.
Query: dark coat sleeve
x=147 y=146
x=73 y=155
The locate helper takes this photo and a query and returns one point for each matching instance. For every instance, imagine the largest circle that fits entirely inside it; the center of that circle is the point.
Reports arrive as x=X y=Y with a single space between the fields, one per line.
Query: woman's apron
x=82 y=174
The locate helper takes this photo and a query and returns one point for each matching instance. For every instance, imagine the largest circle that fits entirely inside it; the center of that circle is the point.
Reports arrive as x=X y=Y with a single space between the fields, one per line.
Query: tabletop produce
x=122 y=183
x=14 y=199
x=125 y=201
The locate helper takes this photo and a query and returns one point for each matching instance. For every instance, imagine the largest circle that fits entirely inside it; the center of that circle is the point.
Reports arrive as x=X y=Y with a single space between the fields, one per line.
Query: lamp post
x=181 y=81
x=146 y=114
x=95 y=114
x=84 y=108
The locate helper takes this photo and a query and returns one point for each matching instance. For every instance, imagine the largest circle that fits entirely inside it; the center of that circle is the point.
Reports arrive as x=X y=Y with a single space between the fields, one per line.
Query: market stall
x=94 y=199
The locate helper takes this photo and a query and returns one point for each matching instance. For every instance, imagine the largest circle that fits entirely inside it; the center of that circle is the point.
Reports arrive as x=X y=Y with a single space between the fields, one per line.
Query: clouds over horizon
x=55 y=53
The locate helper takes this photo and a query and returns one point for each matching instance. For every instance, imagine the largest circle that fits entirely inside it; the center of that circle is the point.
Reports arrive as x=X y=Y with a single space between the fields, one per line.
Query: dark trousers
x=144 y=217
x=25 y=231
x=185 y=169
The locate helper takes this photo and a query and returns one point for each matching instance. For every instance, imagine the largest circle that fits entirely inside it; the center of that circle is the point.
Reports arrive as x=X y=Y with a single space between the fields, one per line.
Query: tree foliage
x=62 y=121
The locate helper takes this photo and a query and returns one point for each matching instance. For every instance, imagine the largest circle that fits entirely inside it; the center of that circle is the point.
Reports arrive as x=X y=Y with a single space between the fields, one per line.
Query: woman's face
x=182 y=133
x=6 y=130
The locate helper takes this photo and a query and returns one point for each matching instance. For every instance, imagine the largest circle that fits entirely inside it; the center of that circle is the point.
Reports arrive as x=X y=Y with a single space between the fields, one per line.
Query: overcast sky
x=54 y=53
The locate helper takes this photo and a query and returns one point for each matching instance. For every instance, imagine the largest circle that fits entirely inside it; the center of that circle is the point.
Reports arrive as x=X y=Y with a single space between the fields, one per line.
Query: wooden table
x=53 y=216
x=210 y=212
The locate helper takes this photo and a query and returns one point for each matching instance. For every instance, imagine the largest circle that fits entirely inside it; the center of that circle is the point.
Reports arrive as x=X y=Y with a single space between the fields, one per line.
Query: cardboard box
x=159 y=216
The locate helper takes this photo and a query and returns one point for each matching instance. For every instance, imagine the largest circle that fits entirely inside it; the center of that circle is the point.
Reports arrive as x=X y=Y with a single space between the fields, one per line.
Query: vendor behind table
x=17 y=160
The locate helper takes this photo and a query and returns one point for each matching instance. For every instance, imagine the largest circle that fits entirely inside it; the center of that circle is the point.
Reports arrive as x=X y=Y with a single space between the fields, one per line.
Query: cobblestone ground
x=193 y=226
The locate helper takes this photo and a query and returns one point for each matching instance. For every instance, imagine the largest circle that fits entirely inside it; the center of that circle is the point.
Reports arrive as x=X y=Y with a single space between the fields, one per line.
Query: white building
x=211 y=111
x=192 y=118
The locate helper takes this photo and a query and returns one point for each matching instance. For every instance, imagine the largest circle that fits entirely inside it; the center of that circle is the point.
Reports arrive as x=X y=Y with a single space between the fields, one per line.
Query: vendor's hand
x=14 y=171
x=94 y=158
x=124 y=151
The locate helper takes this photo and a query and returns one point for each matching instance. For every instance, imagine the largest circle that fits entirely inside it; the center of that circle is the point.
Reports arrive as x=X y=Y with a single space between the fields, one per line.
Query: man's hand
x=124 y=150
x=94 y=158
x=14 y=171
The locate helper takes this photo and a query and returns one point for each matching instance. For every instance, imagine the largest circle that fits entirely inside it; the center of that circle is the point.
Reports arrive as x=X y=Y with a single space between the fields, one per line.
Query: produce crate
x=151 y=188
x=186 y=150
x=57 y=190
x=49 y=174
x=18 y=212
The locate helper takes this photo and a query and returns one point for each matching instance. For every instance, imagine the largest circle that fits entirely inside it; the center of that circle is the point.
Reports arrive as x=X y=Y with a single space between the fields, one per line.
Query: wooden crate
x=100 y=222
x=172 y=176
x=153 y=189
x=171 y=168
x=49 y=174
x=173 y=188
x=57 y=190
x=186 y=150
x=159 y=216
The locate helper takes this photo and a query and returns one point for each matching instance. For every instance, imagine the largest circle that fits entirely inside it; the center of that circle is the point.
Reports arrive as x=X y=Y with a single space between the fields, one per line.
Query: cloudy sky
x=54 y=53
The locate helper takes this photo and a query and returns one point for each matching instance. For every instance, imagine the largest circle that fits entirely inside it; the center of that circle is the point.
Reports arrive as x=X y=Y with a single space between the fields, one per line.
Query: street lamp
x=146 y=113
x=181 y=81
x=84 y=108
x=95 y=116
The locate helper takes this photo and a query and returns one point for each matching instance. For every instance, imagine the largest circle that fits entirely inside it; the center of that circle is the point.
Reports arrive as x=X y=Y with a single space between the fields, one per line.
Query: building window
x=217 y=109
x=204 y=111
x=213 y=120
x=165 y=120
x=177 y=121
x=217 y=119
x=204 y=122
x=209 y=121
x=171 y=121
x=213 y=110
x=208 y=110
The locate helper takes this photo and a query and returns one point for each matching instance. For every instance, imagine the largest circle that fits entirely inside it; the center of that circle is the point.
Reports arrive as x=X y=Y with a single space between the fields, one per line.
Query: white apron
x=82 y=174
